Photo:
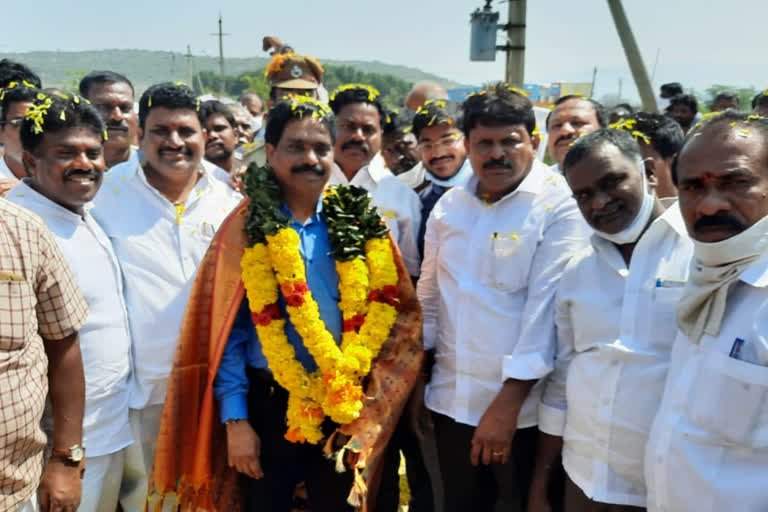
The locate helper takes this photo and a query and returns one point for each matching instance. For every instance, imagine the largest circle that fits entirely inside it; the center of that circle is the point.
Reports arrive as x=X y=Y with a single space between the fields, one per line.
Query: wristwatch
x=73 y=455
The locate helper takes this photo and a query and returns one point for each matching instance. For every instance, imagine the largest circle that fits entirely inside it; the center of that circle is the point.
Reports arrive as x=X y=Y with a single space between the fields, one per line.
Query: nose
x=81 y=161
x=115 y=114
x=175 y=140
x=496 y=151
x=311 y=158
x=357 y=133
x=713 y=202
x=599 y=200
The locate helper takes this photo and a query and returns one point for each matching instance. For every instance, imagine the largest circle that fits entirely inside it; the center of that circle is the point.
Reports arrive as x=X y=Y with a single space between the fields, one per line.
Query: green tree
x=745 y=96
x=72 y=83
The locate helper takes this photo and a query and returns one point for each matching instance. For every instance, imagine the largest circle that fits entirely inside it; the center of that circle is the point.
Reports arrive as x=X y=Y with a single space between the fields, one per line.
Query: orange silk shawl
x=191 y=458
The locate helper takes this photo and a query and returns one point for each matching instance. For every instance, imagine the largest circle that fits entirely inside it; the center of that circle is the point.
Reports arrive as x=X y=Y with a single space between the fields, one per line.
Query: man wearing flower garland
x=161 y=216
x=493 y=255
x=360 y=116
x=299 y=299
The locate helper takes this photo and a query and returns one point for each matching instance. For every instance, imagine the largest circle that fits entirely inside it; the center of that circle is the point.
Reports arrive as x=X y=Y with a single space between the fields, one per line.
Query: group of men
x=595 y=332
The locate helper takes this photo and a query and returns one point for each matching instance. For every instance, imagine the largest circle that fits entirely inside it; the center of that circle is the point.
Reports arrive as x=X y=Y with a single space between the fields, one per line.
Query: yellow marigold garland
x=368 y=287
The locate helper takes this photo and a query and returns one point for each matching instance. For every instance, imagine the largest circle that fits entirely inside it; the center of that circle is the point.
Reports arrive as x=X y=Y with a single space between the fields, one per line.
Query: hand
x=236 y=178
x=493 y=436
x=6 y=185
x=244 y=449
x=271 y=43
x=419 y=417
x=60 y=487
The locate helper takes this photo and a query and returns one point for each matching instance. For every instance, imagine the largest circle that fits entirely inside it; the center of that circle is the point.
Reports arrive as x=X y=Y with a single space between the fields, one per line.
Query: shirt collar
x=376 y=168
x=5 y=171
x=315 y=218
x=202 y=184
x=22 y=189
x=674 y=219
x=757 y=273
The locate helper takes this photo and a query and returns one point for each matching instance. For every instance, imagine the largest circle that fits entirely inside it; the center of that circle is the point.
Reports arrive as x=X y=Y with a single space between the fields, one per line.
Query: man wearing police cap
x=288 y=74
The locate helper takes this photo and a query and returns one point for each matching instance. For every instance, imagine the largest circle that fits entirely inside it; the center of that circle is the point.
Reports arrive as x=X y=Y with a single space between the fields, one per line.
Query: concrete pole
x=222 y=87
x=634 y=58
x=516 y=43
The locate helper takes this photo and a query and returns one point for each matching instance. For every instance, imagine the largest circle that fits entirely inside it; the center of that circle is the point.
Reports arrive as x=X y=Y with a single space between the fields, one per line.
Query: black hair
x=600 y=113
x=624 y=106
x=673 y=88
x=290 y=109
x=346 y=95
x=436 y=112
x=102 y=77
x=56 y=113
x=209 y=108
x=398 y=120
x=12 y=71
x=760 y=99
x=170 y=95
x=727 y=96
x=741 y=120
x=665 y=134
x=584 y=146
x=498 y=105
x=15 y=94
x=689 y=100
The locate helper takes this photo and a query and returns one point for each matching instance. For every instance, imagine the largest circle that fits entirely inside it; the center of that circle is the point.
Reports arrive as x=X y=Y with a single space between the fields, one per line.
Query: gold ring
x=497 y=453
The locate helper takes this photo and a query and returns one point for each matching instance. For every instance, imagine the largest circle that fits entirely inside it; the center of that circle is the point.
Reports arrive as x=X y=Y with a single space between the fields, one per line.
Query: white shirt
x=5 y=172
x=105 y=339
x=488 y=281
x=159 y=250
x=397 y=203
x=613 y=346
x=708 y=447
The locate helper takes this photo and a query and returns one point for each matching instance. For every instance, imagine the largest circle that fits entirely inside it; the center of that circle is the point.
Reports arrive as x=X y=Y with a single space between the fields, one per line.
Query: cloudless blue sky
x=701 y=42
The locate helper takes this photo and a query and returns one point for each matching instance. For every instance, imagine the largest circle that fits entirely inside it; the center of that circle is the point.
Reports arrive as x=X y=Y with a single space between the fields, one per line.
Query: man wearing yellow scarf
x=301 y=340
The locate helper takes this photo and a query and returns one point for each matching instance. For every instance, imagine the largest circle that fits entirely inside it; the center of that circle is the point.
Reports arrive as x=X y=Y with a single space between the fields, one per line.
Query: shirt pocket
x=729 y=400
x=509 y=261
x=17 y=314
x=664 y=316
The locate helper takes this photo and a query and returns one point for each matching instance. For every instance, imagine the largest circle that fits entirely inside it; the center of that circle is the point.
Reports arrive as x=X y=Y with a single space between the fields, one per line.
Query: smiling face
x=172 y=140
x=608 y=188
x=359 y=136
x=723 y=181
x=501 y=157
x=303 y=158
x=442 y=150
x=67 y=166
x=568 y=121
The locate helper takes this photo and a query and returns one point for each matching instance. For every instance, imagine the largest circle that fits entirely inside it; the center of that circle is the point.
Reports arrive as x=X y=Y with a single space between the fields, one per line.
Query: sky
x=697 y=45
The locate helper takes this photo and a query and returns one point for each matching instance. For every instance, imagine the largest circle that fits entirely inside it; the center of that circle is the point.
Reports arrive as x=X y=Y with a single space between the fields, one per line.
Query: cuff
x=551 y=420
x=525 y=367
x=234 y=407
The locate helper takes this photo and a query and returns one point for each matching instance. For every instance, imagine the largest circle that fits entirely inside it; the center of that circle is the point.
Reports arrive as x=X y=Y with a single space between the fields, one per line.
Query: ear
x=30 y=163
x=650 y=172
x=270 y=151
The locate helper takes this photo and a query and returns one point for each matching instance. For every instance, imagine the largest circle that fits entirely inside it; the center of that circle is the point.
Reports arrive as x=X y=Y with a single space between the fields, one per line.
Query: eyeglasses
x=444 y=143
x=16 y=123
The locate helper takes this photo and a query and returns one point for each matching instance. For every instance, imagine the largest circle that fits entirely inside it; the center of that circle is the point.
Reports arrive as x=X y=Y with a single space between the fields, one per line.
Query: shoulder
x=15 y=217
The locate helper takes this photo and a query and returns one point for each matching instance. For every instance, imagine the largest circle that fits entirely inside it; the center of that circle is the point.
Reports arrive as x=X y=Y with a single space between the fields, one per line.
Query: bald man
x=424 y=91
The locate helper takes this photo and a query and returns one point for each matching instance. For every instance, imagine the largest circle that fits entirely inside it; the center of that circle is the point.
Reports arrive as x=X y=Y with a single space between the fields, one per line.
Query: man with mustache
x=708 y=447
x=113 y=96
x=684 y=109
x=360 y=116
x=571 y=117
x=399 y=146
x=160 y=215
x=494 y=252
x=614 y=340
x=15 y=97
x=437 y=126
x=65 y=163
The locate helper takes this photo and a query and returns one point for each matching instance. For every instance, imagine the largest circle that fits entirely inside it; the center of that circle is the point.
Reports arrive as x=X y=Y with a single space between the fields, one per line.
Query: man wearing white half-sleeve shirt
x=614 y=312
x=708 y=447
x=359 y=120
x=493 y=255
x=161 y=215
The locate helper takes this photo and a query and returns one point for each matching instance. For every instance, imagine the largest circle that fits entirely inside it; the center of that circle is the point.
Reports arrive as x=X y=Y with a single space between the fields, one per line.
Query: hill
x=144 y=67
